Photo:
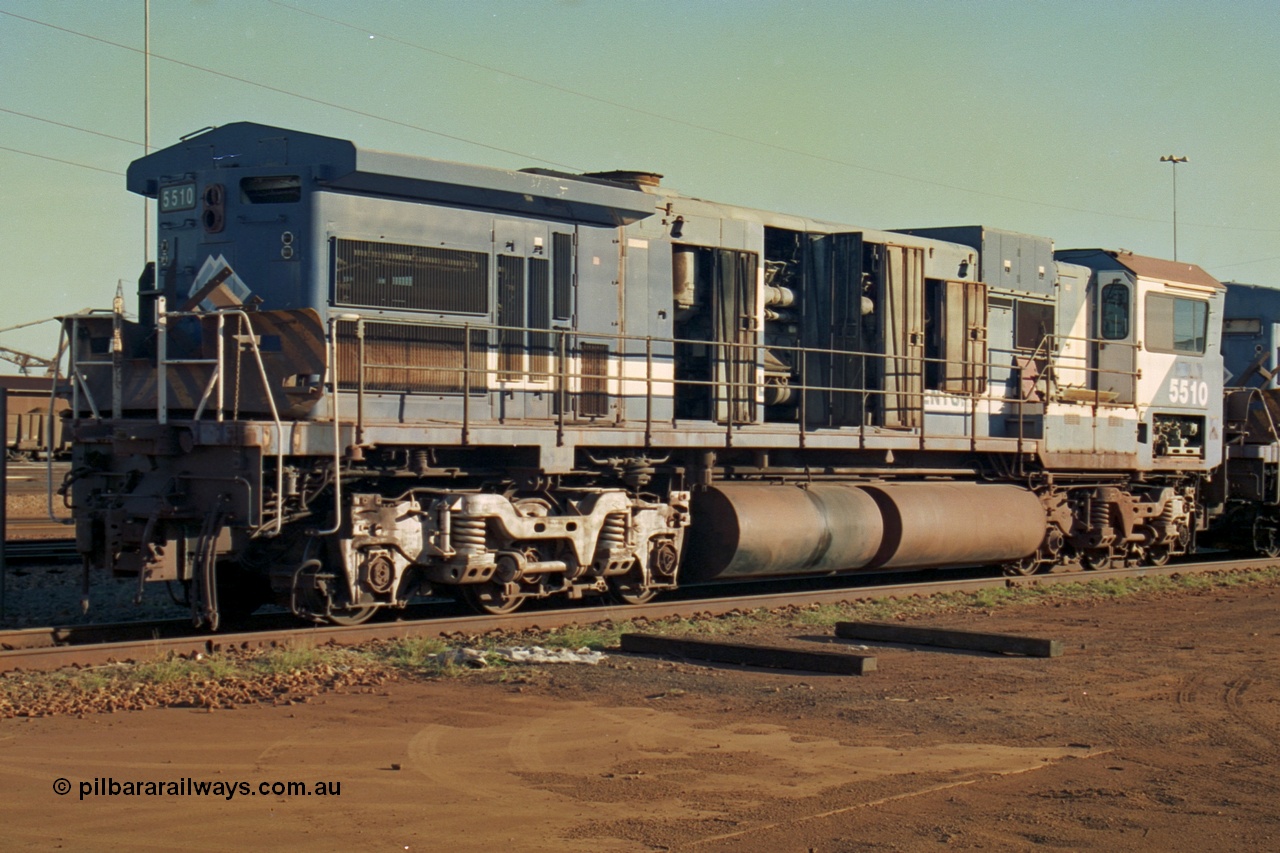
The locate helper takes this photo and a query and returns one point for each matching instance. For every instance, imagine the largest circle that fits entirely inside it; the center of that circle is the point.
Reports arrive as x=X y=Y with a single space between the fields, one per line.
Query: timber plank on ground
x=951 y=639
x=841 y=663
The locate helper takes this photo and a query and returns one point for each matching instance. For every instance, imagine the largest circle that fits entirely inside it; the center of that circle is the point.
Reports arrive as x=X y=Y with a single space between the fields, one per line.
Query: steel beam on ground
x=971 y=640
x=775 y=657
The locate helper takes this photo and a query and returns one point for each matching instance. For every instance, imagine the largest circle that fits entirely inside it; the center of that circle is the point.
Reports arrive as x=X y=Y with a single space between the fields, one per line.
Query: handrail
x=53 y=401
x=215 y=376
x=643 y=361
x=565 y=377
x=466 y=383
x=79 y=385
x=331 y=355
x=162 y=381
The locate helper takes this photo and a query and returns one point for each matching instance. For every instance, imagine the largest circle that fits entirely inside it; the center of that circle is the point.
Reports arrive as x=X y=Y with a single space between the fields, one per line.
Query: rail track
x=56 y=647
x=40 y=550
x=37 y=528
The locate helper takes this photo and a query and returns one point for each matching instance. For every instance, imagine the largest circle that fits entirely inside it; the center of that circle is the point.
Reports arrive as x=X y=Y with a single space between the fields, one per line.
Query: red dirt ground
x=1158 y=730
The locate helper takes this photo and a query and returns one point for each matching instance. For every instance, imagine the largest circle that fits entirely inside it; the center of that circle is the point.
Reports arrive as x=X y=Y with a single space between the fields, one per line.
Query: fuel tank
x=955 y=524
x=743 y=530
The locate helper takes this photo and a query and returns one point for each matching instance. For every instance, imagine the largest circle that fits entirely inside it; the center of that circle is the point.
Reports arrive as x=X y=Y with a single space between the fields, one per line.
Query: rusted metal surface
x=754 y=530
x=28 y=638
x=952 y=524
x=759 y=530
x=149 y=630
x=297 y=347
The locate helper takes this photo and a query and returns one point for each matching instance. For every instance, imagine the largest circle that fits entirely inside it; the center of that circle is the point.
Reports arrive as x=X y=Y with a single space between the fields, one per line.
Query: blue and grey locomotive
x=356 y=377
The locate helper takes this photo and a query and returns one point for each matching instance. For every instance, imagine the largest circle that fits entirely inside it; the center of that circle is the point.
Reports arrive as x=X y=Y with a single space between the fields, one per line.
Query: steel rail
x=33 y=550
x=97 y=653
x=140 y=630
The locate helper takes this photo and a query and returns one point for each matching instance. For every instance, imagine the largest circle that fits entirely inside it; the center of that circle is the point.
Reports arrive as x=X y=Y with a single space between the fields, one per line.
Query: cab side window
x=1115 y=311
x=1175 y=324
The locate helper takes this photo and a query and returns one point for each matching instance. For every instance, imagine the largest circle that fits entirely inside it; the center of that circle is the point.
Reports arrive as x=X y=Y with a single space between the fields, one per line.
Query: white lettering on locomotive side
x=1188 y=392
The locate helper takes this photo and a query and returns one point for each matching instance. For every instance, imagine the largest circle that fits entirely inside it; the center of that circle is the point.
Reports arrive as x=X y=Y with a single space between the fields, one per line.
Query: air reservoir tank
x=743 y=530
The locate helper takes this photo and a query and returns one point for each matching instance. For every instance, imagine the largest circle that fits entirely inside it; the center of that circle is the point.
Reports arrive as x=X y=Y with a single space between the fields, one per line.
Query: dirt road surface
x=1159 y=729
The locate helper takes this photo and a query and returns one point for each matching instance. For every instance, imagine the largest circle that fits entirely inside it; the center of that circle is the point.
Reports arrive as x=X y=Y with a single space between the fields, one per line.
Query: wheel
x=501 y=594
x=1265 y=541
x=625 y=591
x=1157 y=556
x=632 y=588
x=1022 y=568
x=1099 y=558
x=352 y=615
x=314 y=602
x=493 y=597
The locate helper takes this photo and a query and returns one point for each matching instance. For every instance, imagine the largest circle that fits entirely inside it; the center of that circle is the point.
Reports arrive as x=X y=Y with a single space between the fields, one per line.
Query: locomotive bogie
x=1133 y=523
x=571 y=542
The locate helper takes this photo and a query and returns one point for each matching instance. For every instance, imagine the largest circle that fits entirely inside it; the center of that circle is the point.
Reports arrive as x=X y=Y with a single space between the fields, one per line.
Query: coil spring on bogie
x=1100 y=516
x=1171 y=526
x=613 y=533
x=637 y=473
x=468 y=534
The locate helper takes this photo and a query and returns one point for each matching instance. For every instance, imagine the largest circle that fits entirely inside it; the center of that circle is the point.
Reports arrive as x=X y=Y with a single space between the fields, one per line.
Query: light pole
x=1174 y=160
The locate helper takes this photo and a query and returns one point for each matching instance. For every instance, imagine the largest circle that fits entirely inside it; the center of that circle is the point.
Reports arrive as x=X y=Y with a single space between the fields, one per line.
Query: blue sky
x=1042 y=117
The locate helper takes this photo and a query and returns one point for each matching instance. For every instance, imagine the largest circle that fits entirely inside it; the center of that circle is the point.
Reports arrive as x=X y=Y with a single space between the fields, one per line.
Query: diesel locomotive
x=358 y=377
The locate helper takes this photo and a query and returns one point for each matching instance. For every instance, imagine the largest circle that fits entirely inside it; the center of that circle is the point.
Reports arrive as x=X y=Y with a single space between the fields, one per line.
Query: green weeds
x=588 y=636
x=411 y=652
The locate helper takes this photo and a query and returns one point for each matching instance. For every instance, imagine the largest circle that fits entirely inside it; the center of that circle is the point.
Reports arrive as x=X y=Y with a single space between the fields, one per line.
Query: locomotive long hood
x=342 y=165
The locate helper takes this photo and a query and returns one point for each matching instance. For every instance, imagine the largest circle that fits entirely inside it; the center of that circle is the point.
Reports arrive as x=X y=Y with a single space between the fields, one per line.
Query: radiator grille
x=413 y=278
x=405 y=358
x=510 y=313
x=562 y=256
x=539 y=318
x=594 y=398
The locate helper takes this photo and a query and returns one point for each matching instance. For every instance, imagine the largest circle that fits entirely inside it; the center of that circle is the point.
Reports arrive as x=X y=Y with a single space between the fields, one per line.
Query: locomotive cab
x=1154 y=366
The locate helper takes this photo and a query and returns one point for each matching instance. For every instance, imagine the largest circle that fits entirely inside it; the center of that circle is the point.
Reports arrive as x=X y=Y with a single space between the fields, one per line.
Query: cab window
x=1115 y=311
x=1175 y=324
